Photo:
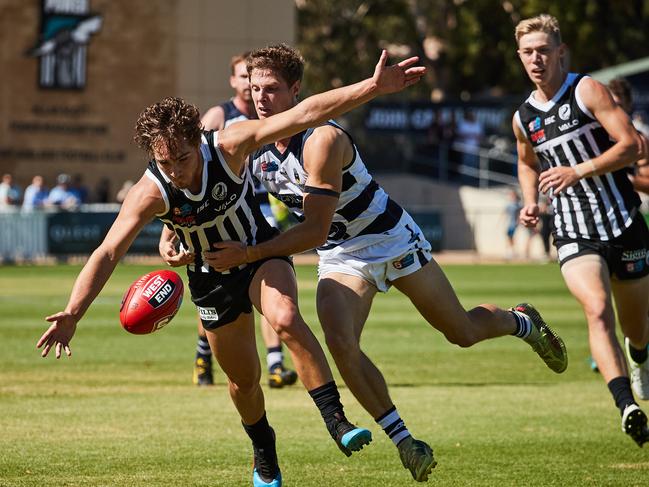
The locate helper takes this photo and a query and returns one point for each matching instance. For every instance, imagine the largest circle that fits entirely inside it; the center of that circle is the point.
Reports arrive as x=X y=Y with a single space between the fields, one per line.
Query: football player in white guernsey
x=366 y=244
x=239 y=108
x=175 y=188
x=575 y=143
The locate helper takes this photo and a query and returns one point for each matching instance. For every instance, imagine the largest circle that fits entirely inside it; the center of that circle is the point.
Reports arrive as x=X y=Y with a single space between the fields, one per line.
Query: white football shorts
x=400 y=252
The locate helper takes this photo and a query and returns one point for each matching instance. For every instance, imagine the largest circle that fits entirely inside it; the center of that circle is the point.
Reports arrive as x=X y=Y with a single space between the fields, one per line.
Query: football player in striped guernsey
x=199 y=184
x=239 y=108
x=366 y=243
x=575 y=143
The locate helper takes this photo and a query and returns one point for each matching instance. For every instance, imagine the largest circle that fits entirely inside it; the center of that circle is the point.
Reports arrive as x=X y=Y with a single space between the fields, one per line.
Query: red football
x=151 y=302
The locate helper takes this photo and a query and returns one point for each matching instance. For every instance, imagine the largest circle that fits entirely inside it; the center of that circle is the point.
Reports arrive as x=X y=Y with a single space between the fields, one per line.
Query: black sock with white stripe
x=393 y=425
x=524 y=326
x=203 y=349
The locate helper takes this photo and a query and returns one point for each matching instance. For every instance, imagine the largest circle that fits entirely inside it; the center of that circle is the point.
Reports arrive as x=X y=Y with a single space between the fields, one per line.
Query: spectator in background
x=9 y=193
x=123 y=191
x=60 y=196
x=102 y=191
x=35 y=195
x=469 y=136
x=512 y=210
x=78 y=189
x=545 y=218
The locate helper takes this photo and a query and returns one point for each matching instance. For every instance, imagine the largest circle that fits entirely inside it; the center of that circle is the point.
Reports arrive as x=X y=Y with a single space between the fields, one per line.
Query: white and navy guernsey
x=231 y=114
x=364 y=209
x=225 y=208
x=563 y=132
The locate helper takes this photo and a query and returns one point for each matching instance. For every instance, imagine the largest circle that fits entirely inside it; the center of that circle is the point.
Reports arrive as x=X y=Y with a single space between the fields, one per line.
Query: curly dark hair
x=169 y=121
x=280 y=58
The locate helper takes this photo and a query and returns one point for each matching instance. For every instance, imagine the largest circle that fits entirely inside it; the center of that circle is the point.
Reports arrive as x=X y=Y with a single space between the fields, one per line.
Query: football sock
x=620 y=388
x=260 y=433
x=274 y=357
x=524 y=326
x=327 y=399
x=203 y=349
x=638 y=356
x=393 y=425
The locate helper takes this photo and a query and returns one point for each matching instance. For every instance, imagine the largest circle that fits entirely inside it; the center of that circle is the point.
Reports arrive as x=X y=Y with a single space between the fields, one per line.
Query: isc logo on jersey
x=158 y=291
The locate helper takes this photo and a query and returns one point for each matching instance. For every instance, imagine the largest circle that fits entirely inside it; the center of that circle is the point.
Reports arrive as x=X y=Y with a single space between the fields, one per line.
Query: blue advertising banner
x=81 y=233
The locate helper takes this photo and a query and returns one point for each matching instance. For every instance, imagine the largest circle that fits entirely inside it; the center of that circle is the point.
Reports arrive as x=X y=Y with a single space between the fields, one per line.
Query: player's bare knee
x=244 y=386
x=286 y=321
x=342 y=348
x=599 y=315
x=462 y=337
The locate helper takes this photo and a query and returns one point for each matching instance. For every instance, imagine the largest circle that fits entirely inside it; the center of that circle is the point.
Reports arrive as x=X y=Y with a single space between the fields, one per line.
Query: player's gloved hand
x=227 y=255
x=59 y=334
x=173 y=257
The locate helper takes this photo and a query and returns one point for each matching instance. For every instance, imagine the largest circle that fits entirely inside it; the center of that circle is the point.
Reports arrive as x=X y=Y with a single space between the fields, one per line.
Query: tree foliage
x=468 y=45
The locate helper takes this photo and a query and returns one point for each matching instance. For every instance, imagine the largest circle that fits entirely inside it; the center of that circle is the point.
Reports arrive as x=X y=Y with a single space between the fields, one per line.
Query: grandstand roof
x=621 y=70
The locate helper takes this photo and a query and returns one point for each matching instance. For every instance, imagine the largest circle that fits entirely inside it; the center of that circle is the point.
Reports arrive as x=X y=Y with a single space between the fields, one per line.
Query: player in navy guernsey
x=200 y=185
x=366 y=243
x=574 y=143
x=239 y=108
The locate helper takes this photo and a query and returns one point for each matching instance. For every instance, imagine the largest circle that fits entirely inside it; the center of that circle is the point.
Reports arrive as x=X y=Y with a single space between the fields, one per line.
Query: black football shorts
x=221 y=298
x=627 y=255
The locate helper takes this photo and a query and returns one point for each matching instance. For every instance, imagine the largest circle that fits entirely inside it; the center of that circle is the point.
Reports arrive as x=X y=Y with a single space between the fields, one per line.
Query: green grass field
x=123 y=412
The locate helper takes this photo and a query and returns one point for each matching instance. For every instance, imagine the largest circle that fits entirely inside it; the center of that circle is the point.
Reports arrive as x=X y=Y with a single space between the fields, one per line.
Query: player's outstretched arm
x=324 y=154
x=244 y=137
x=138 y=209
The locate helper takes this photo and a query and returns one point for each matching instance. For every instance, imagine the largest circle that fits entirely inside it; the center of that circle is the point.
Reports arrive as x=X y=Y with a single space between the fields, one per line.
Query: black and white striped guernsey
x=563 y=132
x=364 y=209
x=225 y=208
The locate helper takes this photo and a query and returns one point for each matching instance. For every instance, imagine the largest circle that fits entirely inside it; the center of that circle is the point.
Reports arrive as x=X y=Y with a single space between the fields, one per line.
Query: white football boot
x=639 y=374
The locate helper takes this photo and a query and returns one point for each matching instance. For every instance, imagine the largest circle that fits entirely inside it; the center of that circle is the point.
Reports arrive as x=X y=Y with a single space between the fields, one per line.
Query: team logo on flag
x=66 y=29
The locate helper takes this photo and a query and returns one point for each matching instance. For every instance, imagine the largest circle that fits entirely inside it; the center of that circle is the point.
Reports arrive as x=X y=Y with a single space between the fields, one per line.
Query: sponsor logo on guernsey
x=549 y=120
x=296 y=176
x=634 y=267
x=408 y=260
x=534 y=124
x=183 y=215
x=269 y=166
x=208 y=314
x=633 y=255
x=564 y=112
x=567 y=126
x=538 y=136
x=203 y=206
x=568 y=250
x=220 y=191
